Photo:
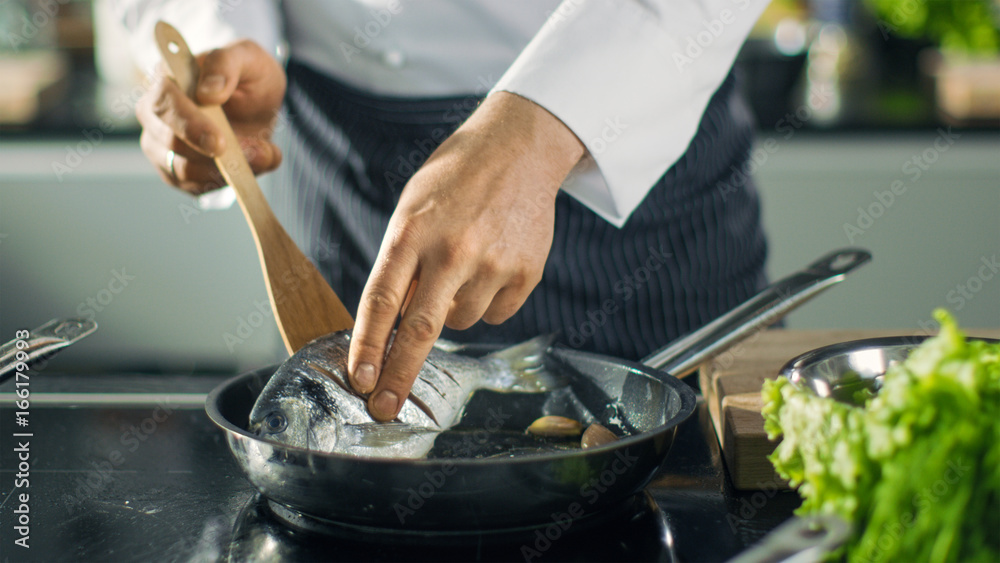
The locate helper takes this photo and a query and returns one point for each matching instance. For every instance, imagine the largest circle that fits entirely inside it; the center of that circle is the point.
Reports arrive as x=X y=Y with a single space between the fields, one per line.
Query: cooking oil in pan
x=494 y=425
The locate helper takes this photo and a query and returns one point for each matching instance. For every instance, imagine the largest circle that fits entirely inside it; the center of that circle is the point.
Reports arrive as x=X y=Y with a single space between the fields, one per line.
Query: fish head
x=307 y=401
x=293 y=413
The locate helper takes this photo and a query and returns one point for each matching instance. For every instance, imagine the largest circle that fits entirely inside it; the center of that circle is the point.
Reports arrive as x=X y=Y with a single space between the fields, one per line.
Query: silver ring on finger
x=170 y=165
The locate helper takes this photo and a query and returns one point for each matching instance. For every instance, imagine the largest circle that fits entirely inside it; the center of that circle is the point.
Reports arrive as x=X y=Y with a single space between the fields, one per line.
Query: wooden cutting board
x=731 y=385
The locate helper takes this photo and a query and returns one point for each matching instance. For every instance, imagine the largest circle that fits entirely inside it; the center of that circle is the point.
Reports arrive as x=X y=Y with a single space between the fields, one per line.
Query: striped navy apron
x=693 y=250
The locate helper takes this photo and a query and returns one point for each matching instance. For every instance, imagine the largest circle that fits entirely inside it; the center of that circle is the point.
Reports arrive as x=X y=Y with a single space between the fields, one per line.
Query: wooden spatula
x=305 y=307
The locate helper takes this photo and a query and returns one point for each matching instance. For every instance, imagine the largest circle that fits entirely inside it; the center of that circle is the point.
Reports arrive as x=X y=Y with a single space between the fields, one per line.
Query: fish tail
x=522 y=366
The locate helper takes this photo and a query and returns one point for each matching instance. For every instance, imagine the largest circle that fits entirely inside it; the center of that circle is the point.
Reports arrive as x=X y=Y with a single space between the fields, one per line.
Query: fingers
x=435 y=298
x=171 y=122
x=473 y=227
x=390 y=288
x=506 y=302
x=471 y=303
x=238 y=73
x=263 y=156
x=381 y=302
x=191 y=171
x=429 y=285
x=248 y=82
x=194 y=172
x=409 y=297
x=168 y=105
x=220 y=74
x=418 y=331
x=389 y=377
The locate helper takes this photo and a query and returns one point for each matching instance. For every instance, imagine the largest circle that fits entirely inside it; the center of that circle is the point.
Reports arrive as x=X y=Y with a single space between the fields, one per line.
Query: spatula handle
x=305 y=307
x=232 y=163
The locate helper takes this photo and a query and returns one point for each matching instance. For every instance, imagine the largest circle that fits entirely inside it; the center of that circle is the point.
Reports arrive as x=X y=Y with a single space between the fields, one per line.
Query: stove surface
x=146 y=476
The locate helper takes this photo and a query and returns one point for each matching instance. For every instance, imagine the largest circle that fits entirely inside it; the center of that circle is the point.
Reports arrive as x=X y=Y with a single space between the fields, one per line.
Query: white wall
x=933 y=237
x=195 y=273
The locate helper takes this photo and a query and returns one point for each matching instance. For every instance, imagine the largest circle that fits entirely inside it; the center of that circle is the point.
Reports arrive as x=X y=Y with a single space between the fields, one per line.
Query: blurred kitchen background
x=854 y=99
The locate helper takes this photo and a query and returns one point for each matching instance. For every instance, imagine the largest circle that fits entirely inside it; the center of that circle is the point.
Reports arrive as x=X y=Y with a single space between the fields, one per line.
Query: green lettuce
x=916 y=468
x=961 y=25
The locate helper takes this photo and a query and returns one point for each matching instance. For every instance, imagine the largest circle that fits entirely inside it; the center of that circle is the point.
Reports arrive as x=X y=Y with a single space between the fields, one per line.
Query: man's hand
x=468 y=240
x=247 y=82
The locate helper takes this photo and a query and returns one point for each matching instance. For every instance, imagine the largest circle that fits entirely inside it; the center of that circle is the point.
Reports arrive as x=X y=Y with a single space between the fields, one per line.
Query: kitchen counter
x=142 y=474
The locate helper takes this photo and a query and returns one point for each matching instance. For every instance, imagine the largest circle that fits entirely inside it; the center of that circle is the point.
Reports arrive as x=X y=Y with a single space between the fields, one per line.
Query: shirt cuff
x=631 y=79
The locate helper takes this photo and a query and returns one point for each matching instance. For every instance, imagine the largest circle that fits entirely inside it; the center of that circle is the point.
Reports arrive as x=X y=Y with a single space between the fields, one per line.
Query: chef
x=534 y=165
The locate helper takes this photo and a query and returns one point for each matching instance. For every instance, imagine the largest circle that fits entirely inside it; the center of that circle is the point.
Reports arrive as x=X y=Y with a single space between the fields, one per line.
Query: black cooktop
x=146 y=476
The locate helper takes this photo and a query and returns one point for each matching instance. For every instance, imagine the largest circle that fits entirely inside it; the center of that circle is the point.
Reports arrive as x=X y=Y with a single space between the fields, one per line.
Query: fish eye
x=275 y=422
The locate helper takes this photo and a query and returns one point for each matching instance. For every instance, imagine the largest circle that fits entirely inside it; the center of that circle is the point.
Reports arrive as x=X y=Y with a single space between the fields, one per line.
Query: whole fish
x=309 y=402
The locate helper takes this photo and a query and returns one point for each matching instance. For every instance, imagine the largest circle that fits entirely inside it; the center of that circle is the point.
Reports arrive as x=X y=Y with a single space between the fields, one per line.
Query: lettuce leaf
x=916 y=468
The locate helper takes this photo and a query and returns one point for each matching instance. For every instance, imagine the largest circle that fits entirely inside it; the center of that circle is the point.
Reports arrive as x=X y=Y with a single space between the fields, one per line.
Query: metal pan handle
x=43 y=341
x=798 y=540
x=684 y=355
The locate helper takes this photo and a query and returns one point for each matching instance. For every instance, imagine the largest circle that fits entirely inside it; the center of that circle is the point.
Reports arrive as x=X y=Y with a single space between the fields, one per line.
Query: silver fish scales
x=309 y=403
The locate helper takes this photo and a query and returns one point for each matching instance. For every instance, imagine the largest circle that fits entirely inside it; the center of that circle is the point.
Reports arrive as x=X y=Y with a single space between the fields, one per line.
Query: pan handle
x=43 y=341
x=684 y=355
x=798 y=540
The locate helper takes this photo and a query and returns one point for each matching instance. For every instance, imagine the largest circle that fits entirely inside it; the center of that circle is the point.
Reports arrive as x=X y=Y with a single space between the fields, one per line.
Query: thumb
x=223 y=69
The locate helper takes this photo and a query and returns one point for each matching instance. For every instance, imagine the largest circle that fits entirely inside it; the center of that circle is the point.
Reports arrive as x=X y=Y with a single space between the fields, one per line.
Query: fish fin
x=382 y=434
x=522 y=366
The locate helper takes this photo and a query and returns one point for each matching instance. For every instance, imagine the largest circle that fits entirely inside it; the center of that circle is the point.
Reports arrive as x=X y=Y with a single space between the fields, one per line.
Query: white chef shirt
x=631 y=78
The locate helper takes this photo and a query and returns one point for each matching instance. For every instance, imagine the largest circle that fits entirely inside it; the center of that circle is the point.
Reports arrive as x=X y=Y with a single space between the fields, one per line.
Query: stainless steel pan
x=466 y=493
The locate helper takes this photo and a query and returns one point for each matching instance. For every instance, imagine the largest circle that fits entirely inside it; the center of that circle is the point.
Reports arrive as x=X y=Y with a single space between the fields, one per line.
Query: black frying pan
x=462 y=494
